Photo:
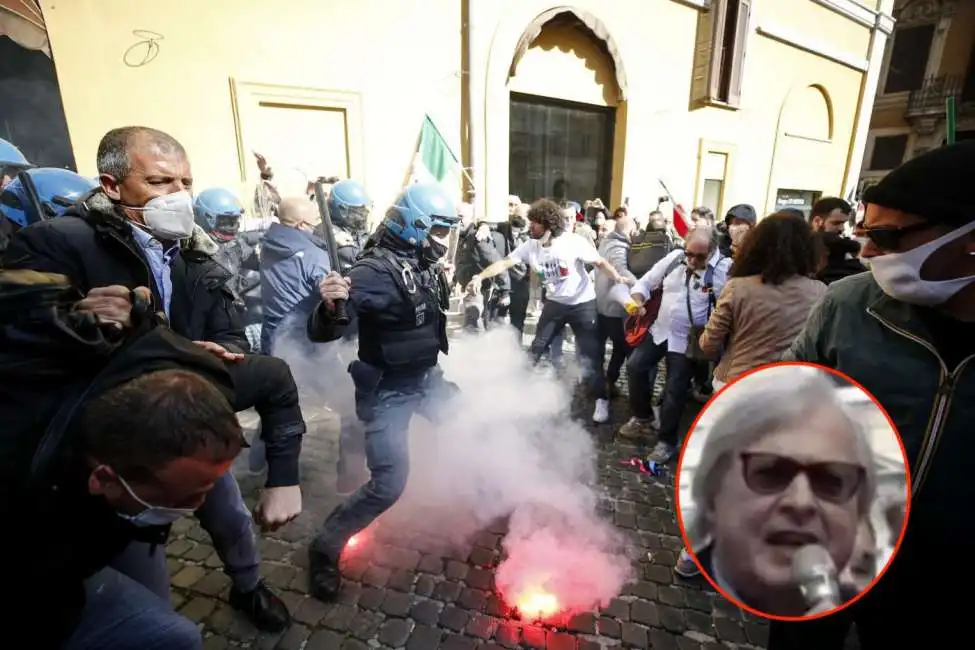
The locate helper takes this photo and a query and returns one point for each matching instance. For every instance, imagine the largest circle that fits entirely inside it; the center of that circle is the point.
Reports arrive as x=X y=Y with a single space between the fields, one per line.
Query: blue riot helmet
x=420 y=208
x=42 y=193
x=11 y=161
x=218 y=212
x=348 y=205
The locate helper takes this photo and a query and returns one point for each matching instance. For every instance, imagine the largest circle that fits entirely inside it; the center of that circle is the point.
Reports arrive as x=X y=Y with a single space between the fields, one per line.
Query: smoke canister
x=631 y=307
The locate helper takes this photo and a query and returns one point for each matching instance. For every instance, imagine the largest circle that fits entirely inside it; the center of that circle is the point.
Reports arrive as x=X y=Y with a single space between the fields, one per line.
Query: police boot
x=324 y=577
x=262 y=607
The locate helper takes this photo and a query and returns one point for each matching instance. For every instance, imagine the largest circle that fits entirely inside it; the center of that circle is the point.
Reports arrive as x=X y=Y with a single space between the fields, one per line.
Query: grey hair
x=113 y=150
x=755 y=407
x=704 y=233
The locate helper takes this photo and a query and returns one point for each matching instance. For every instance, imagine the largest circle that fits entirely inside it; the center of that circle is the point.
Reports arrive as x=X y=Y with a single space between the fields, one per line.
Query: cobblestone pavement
x=411 y=592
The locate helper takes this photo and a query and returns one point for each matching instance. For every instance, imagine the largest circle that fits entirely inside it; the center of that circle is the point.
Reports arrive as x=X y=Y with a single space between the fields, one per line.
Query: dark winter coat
x=94 y=246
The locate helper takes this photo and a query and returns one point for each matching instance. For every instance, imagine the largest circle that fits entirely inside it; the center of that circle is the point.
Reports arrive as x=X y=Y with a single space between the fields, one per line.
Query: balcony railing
x=930 y=98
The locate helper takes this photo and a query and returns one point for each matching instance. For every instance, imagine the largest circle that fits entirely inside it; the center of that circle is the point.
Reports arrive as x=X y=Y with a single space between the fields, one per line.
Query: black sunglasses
x=889 y=239
x=769 y=474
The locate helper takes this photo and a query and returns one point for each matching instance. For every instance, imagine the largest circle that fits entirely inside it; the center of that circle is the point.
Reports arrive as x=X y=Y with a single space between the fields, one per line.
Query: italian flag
x=435 y=162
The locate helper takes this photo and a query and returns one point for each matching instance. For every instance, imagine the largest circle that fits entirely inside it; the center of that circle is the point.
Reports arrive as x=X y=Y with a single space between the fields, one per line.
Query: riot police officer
x=219 y=212
x=399 y=294
x=37 y=194
x=348 y=206
x=12 y=161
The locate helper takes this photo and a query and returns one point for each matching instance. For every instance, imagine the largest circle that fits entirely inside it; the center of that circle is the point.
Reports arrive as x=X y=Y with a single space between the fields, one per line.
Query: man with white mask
x=906 y=332
x=137 y=230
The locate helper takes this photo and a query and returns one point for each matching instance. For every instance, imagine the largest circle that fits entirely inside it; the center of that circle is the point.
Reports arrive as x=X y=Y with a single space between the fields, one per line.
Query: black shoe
x=324 y=577
x=262 y=607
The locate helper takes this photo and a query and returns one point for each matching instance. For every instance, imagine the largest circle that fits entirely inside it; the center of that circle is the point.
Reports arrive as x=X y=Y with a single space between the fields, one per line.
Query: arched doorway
x=566 y=87
x=31 y=113
x=804 y=163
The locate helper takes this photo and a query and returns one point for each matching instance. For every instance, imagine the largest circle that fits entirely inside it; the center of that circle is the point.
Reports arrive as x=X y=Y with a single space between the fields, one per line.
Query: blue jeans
x=223 y=515
x=387 y=447
x=122 y=614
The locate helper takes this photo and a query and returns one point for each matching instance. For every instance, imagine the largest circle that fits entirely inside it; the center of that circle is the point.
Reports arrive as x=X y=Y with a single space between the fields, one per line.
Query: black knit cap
x=936 y=186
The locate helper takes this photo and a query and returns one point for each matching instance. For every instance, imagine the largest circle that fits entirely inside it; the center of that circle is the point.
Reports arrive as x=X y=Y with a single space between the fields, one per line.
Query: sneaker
x=686 y=567
x=601 y=414
x=636 y=428
x=662 y=453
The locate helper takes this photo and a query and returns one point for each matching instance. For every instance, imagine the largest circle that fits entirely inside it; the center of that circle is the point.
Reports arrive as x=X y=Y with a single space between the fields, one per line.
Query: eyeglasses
x=770 y=474
x=696 y=256
x=889 y=239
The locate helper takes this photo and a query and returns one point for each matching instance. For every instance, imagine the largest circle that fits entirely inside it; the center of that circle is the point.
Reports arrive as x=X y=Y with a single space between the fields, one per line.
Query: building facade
x=929 y=57
x=721 y=101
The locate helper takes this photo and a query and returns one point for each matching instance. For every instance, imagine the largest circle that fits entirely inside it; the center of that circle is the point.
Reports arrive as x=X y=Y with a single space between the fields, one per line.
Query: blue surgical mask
x=152 y=515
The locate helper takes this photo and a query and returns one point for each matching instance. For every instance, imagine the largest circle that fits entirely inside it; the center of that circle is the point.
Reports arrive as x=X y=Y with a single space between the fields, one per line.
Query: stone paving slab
x=407 y=589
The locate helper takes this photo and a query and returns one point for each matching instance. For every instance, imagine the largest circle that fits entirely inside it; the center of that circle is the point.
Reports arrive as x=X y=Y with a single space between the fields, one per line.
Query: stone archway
x=511 y=40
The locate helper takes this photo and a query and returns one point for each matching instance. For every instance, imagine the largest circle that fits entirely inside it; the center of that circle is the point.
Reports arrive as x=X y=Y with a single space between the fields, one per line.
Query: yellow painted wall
x=402 y=59
x=376 y=48
x=655 y=40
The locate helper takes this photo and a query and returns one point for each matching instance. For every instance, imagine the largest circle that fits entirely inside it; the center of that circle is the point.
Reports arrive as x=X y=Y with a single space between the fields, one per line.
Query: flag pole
x=951 y=119
x=463 y=170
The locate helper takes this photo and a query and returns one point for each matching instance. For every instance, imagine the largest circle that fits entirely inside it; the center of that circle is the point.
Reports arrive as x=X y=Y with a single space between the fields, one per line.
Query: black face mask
x=433 y=251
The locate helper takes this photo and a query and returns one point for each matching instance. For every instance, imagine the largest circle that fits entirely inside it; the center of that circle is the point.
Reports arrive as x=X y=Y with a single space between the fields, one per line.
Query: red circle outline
x=907 y=507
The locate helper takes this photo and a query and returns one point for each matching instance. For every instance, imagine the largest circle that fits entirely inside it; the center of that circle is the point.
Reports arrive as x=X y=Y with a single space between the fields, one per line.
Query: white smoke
x=507 y=447
x=504 y=448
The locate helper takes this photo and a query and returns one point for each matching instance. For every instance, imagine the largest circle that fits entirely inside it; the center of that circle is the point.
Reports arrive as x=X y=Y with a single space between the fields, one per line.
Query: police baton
x=341 y=316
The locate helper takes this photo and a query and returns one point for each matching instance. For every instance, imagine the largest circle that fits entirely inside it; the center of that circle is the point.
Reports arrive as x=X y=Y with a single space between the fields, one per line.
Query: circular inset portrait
x=793 y=492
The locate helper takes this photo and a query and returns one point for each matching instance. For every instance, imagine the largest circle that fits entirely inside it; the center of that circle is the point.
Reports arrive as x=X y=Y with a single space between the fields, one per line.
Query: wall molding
x=800 y=41
x=701 y=5
x=852 y=10
x=885 y=24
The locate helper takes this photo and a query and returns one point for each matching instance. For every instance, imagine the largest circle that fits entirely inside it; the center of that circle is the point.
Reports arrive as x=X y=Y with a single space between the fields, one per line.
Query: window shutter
x=706 y=77
x=738 y=52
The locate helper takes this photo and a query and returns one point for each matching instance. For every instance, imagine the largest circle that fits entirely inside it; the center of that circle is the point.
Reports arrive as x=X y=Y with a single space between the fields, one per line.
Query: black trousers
x=610 y=328
x=518 y=309
x=581 y=319
x=265 y=383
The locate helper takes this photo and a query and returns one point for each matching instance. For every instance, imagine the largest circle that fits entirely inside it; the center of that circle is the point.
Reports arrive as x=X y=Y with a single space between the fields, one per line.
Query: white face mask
x=737 y=232
x=169 y=217
x=152 y=515
x=899 y=274
x=863 y=244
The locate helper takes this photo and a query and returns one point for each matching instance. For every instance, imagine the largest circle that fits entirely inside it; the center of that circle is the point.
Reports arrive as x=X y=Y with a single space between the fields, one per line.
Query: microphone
x=815 y=573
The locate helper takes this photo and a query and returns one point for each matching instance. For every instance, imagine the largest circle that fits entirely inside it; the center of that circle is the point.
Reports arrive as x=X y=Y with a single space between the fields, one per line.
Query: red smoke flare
x=534 y=604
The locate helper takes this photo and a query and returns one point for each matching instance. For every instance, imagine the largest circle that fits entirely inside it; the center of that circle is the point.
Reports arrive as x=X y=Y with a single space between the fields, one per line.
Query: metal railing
x=930 y=98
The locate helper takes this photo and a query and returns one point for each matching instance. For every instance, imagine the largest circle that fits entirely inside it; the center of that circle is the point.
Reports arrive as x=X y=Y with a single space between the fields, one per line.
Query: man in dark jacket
x=219 y=212
x=516 y=233
x=138 y=230
x=398 y=293
x=740 y=219
x=480 y=245
x=124 y=431
x=906 y=332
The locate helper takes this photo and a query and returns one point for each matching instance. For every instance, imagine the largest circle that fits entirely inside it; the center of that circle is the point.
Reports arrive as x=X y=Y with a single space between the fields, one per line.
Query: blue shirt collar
x=145 y=240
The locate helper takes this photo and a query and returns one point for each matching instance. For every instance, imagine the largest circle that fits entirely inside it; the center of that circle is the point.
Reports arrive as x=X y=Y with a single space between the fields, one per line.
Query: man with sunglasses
x=782 y=467
x=906 y=332
x=691 y=280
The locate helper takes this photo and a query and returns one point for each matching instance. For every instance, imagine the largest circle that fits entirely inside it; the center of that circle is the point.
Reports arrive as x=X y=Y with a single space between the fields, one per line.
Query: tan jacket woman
x=757 y=322
x=768 y=298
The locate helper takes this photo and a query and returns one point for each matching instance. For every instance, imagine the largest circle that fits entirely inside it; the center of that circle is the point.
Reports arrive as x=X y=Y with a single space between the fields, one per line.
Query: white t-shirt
x=561 y=266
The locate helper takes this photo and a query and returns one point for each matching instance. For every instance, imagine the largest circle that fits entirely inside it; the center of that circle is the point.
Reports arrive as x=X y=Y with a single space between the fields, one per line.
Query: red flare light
x=353 y=542
x=536 y=604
